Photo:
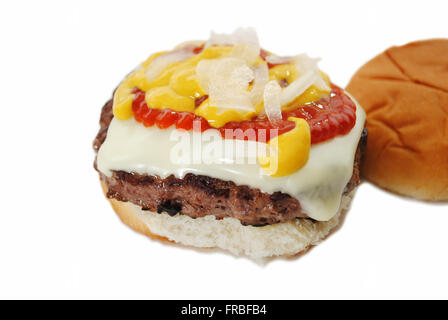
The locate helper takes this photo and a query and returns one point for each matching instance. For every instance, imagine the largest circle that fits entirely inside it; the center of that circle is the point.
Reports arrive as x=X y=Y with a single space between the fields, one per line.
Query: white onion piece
x=304 y=64
x=226 y=81
x=279 y=60
x=240 y=35
x=229 y=88
x=272 y=101
x=321 y=84
x=261 y=78
x=157 y=66
x=297 y=87
x=234 y=72
x=204 y=70
x=248 y=52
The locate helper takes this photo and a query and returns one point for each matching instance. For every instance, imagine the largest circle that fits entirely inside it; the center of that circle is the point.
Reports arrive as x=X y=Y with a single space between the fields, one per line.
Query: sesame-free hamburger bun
x=404 y=91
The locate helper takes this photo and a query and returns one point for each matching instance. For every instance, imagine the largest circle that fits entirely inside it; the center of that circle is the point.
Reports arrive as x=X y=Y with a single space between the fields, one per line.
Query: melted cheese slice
x=318 y=185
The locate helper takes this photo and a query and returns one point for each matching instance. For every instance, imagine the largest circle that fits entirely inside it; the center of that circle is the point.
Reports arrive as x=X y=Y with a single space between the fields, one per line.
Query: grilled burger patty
x=198 y=195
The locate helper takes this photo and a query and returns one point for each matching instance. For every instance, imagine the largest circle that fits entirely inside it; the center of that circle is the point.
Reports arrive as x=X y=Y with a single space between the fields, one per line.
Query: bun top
x=404 y=91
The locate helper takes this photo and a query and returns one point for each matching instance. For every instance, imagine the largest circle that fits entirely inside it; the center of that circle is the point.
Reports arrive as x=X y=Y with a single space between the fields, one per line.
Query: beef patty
x=198 y=195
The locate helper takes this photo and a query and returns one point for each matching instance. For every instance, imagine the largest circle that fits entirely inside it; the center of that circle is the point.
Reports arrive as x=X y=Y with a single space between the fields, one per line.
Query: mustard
x=290 y=150
x=177 y=87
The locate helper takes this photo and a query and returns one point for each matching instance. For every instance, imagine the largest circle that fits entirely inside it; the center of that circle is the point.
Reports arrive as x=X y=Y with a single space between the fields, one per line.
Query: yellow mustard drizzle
x=291 y=150
x=177 y=87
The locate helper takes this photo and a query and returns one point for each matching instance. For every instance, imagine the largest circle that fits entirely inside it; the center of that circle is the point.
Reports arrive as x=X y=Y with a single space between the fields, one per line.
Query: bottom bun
x=281 y=239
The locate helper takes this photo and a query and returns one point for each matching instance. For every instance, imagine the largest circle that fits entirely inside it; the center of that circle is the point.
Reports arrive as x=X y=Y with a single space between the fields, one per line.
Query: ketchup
x=328 y=117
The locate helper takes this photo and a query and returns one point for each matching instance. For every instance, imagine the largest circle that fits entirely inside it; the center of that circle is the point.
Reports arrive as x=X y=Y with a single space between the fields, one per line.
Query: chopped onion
x=229 y=88
x=297 y=87
x=226 y=81
x=278 y=59
x=248 y=52
x=204 y=70
x=240 y=35
x=162 y=62
x=261 y=78
x=272 y=101
x=321 y=84
x=304 y=64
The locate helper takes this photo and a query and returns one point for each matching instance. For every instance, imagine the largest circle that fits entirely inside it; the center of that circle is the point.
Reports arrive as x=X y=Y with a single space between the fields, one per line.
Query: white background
x=59 y=238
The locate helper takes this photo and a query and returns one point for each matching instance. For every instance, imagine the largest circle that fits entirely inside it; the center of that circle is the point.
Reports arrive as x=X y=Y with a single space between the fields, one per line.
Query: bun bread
x=404 y=91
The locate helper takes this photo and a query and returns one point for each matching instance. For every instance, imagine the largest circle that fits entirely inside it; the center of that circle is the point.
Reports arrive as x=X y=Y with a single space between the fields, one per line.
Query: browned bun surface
x=404 y=91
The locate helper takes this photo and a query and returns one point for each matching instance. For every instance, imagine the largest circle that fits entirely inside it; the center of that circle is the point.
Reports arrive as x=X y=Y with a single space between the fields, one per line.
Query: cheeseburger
x=220 y=143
